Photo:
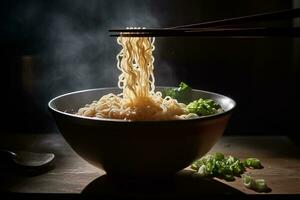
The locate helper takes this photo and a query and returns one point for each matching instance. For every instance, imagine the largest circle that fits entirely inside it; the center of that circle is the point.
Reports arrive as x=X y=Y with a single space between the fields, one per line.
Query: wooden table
x=73 y=175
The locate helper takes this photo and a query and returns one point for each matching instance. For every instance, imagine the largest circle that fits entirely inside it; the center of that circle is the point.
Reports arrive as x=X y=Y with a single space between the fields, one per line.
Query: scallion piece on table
x=227 y=167
x=259 y=185
x=252 y=163
x=248 y=181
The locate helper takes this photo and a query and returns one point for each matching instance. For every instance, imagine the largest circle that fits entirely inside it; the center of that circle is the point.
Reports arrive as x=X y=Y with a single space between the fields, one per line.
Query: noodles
x=138 y=101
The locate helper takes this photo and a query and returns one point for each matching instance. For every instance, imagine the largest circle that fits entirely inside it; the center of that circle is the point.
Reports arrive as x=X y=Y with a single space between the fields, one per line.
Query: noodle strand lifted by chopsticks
x=138 y=101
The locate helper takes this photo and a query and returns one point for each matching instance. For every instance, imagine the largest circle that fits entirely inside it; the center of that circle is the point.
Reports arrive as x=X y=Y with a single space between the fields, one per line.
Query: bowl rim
x=208 y=117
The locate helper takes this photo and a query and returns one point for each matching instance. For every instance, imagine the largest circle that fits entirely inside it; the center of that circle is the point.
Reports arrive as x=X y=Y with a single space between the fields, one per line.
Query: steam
x=81 y=52
x=78 y=52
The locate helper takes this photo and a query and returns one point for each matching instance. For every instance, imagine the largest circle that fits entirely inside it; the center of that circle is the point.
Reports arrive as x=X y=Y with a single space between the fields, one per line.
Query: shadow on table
x=185 y=184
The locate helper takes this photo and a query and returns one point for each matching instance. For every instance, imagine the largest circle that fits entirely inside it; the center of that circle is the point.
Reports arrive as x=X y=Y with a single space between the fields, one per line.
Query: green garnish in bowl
x=181 y=94
x=203 y=107
x=200 y=107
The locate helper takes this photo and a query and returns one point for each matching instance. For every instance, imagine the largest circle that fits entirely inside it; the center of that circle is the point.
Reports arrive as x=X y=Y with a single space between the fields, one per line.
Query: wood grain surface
x=71 y=174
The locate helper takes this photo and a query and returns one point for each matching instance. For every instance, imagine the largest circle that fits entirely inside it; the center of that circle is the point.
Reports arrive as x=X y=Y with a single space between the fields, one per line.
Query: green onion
x=259 y=185
x=252 y=163
x=202 y=171
x=248 y=181
x=219 y=156
x=183 y=93
x=203 y=107
x=229 y=177
x=218 y=165
x=227 y=167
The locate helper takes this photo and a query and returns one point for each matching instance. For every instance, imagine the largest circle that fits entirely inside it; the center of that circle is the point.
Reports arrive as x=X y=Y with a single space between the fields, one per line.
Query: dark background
x=49 y=48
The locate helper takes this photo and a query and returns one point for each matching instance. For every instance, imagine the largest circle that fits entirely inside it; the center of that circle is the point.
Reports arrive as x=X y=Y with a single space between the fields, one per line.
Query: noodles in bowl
x=138 y=101
x=135 y=131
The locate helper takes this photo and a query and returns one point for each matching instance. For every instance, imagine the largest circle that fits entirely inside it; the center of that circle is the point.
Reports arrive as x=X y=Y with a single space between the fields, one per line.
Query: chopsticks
x=230 y=32
x=212 y=28
x=269 y=16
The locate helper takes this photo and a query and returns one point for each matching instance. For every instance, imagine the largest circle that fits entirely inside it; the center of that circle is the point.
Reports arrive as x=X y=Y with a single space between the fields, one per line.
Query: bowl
x=138 y=148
